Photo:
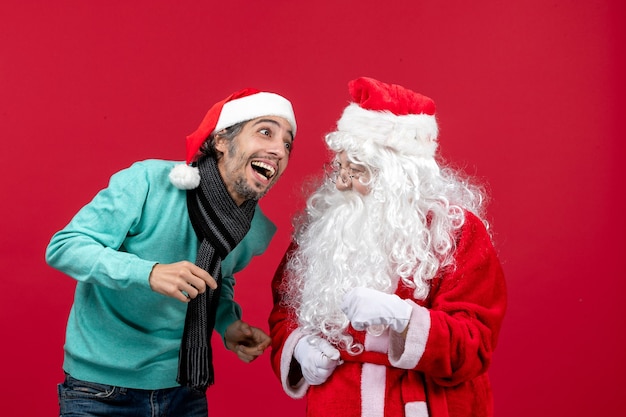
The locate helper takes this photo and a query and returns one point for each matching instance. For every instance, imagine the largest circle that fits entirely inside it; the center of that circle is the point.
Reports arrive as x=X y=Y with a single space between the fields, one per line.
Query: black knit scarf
x=220 y=225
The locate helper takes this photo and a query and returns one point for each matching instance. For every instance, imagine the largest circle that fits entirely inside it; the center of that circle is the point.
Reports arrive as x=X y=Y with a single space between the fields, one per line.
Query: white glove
x=318 y=358
x=366 y=307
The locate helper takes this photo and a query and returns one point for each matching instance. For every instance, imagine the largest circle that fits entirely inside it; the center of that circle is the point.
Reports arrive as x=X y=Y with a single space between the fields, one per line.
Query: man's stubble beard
x=240 y=185
x=242 y=188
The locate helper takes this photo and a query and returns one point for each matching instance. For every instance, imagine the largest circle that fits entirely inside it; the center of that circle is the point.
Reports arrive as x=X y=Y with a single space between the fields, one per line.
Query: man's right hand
x=181 y=280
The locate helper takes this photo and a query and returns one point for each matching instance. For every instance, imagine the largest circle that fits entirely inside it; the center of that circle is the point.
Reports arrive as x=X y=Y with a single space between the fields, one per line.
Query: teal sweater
x=119 y=331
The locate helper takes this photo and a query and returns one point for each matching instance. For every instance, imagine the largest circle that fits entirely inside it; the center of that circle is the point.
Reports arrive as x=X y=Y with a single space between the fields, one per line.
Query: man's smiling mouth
x=264 y=169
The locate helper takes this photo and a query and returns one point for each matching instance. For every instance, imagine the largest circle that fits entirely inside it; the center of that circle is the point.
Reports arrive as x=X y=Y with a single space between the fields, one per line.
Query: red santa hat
x=241 y=106
x=391 y=116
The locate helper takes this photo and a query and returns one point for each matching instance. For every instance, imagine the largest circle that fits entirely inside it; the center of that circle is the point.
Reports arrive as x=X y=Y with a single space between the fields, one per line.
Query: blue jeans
x=88 y=399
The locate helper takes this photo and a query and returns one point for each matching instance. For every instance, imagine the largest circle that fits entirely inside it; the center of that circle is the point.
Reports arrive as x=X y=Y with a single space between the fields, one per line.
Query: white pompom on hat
x=241 y=106
x=390 y=116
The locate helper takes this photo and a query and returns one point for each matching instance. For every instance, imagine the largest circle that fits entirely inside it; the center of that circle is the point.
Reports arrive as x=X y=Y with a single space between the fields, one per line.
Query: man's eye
x=288 y=146
x=265 y=132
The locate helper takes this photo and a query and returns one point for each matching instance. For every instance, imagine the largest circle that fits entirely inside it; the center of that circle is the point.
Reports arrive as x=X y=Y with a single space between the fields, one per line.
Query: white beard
x=343 y=243
x=404 y=230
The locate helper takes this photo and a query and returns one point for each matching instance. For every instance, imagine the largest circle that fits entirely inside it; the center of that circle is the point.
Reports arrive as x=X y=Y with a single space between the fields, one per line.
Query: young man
x=155 y=251
x=390 y=299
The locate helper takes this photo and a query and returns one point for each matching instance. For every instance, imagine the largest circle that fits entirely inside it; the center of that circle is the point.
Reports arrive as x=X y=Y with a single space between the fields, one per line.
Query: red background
x=530 y=99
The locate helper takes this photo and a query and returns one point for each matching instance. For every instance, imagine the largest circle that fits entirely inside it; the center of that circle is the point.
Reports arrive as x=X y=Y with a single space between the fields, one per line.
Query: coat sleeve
x=285 y=334
x=452 y=341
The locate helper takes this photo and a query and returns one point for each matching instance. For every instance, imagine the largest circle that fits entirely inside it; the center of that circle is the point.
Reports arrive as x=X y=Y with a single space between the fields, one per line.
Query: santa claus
x=390 y=298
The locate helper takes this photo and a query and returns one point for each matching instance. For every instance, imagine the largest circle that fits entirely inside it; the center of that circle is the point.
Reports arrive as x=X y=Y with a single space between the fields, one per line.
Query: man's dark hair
x=229 y=133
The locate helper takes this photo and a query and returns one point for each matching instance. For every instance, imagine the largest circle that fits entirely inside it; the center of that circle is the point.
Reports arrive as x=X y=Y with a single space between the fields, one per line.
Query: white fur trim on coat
x=286 y=358
x=416 y=337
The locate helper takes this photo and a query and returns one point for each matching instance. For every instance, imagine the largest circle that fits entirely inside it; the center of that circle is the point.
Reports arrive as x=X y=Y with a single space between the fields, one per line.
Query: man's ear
x=221 y=144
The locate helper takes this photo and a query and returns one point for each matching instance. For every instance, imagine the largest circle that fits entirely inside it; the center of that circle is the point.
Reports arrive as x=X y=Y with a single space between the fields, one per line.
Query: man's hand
x=246 y=341
x=181 y=280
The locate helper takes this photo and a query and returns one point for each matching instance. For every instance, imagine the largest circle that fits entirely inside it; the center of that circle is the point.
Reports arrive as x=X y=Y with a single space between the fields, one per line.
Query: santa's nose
x=343 y=182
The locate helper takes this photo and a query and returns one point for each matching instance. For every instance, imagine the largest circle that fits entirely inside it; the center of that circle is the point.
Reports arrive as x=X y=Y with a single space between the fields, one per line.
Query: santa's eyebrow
x=356 y=166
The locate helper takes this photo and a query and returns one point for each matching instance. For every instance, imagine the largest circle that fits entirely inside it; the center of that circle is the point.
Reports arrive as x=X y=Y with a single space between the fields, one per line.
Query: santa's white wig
x=404 y=229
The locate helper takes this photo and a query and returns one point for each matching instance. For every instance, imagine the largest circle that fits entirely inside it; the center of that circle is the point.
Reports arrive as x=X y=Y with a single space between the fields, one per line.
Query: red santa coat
x=437 y=369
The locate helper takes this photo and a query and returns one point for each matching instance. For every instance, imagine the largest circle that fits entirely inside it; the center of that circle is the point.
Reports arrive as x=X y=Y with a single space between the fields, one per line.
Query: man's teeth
x=266 y=170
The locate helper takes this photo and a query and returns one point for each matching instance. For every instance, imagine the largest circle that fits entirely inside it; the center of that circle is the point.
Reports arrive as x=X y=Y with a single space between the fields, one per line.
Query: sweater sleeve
x=90 y=248
x=453 y=340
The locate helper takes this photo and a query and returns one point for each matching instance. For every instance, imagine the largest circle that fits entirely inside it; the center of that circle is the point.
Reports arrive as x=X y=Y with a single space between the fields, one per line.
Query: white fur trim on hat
x=253 y=106
x=185 y=177
x=412 y=134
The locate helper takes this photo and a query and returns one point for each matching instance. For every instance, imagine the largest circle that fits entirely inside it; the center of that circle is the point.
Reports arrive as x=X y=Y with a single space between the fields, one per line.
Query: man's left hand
x=246 y=341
